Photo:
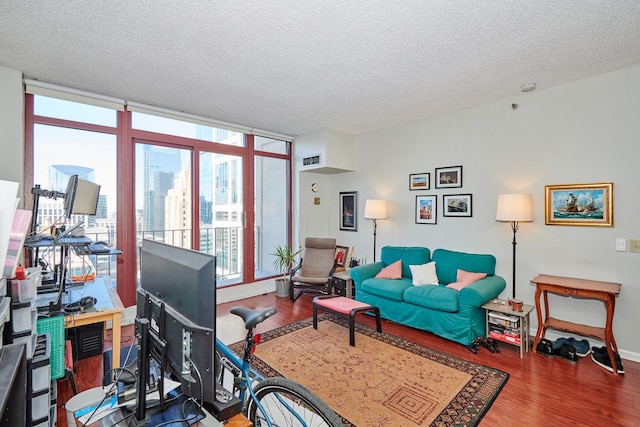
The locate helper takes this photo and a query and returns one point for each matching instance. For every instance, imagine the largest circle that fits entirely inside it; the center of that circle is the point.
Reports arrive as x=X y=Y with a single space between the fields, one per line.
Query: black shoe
x=567 y=351
x=601 y=358
x=545 y=347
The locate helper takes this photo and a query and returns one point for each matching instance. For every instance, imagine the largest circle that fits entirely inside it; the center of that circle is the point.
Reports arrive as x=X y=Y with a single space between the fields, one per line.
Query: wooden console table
x=582 y=288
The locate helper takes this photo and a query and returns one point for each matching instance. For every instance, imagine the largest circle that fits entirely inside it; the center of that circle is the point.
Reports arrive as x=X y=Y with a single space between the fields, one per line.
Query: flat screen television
x=182 y=278
x=81 y=197
x=177 y=295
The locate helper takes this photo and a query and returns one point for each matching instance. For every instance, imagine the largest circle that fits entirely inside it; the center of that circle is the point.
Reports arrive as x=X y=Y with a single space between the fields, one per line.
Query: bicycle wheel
x=285 y=400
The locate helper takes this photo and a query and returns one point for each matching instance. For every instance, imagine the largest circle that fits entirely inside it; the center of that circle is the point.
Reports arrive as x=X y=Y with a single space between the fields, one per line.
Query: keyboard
x=72 y=240
x=35 y=238
x=98 y=248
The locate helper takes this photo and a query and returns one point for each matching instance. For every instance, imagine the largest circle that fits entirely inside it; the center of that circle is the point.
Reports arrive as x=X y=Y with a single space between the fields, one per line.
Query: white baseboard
x=234 y=293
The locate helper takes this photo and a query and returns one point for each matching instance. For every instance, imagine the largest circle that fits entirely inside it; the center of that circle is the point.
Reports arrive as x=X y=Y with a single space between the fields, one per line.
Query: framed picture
x=456 y=205
x=426 y=212
x=348 y=211
x=342 y=253
x=420 y=181
x=449 y=177
x=579 y=204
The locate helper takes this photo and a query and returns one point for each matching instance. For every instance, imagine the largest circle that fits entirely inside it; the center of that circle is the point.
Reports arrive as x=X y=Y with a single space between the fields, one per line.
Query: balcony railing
x=223 y=242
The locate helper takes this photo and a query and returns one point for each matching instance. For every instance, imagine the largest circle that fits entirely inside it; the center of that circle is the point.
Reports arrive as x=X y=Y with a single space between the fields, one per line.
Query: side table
x=579 y=288
x=501 y=306
x=343 y=284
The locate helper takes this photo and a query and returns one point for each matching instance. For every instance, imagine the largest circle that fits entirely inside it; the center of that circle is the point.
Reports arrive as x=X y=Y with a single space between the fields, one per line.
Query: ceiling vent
x=313 y=160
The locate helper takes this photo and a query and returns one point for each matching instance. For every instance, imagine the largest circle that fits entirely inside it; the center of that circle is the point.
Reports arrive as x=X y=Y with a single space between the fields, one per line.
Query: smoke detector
x=528 y=87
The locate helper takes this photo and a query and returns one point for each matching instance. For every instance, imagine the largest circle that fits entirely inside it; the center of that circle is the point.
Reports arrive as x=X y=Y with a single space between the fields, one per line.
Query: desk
x=108 y=307
x=581 y=288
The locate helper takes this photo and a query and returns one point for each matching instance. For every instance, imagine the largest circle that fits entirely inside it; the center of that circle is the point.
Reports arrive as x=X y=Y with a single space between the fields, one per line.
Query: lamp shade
x=375 y=209
x=514 y=207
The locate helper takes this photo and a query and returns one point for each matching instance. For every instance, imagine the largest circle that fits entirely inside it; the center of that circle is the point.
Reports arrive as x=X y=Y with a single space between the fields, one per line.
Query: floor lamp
x=375 y=210
x=514 y=208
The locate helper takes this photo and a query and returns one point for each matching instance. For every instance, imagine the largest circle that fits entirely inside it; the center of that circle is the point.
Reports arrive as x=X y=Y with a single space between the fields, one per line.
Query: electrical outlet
x=621 y=245
x=634 y=245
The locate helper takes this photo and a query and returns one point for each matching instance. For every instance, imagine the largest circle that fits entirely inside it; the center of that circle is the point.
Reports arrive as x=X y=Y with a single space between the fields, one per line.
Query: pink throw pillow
x=464 y=279
x=393 y=271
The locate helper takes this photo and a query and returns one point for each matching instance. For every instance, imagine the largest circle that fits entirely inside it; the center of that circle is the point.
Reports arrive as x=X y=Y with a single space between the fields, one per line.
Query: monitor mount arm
x=37 y=193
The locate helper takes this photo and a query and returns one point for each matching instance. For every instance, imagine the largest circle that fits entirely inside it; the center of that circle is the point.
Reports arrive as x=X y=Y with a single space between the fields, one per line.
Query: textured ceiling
x=292 y=66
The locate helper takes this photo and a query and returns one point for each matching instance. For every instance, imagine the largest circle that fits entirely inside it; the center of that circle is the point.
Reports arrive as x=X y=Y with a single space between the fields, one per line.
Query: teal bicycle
x=272 y=402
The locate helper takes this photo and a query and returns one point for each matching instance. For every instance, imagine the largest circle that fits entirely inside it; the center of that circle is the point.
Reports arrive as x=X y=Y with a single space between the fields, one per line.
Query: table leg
x=115 y=340
x=315 y=315
x=527 y=330
x=540 y=331
x=522 y=337
x=610 y=305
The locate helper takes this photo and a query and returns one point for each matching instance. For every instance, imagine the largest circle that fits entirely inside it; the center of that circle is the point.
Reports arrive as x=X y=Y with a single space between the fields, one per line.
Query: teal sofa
x=449 y=313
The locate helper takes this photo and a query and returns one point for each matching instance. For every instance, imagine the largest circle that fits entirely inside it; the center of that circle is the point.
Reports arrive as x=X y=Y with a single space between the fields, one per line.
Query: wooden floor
x=540 y=391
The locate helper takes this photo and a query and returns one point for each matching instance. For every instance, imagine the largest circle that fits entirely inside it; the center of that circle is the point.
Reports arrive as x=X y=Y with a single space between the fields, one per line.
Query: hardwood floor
x=540 y=391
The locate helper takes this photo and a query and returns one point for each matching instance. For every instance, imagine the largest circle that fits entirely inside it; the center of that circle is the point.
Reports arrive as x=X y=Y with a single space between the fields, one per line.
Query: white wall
x=583 y=132
x=11 y=126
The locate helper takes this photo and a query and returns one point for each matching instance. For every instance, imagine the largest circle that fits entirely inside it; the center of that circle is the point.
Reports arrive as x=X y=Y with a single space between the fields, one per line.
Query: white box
x=40 y=365
x=25 y=290
x=29 y=340
x=24 y=317
x=40 y=406
x=41 y=378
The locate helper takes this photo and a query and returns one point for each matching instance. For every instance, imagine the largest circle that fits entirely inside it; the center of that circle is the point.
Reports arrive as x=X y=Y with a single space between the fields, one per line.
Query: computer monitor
x=182 y=278
x=81 y=197
x=177 y=296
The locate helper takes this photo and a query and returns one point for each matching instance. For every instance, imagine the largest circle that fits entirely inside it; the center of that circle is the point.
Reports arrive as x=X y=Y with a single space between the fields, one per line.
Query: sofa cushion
x=448 y=263
x=464 y=279
x=408 y=254
x=438 y=298
x=393 y=271
x=424 y=274
x=391 y=289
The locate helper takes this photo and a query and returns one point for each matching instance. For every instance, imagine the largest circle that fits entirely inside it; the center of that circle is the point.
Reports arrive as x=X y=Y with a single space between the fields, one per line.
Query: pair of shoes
x=545 y=347
x=582 y=347
x=567 y=351
x=601 y=358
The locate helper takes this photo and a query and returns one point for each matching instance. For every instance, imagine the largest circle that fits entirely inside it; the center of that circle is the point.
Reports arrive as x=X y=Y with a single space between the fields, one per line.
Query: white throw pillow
x=424 y=274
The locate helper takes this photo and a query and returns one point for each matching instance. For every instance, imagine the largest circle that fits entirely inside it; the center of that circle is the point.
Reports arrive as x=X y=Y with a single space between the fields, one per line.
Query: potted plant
x=285 y=258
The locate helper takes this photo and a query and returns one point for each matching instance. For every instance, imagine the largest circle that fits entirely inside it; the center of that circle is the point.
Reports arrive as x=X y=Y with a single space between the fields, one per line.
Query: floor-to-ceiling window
x=194 y=207
x=271 y=216
x=69 y=139
x=186 y=183
x=222 y=214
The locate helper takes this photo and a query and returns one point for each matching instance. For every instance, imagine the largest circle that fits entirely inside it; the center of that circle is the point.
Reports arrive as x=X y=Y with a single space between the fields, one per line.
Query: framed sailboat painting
x=579 y=204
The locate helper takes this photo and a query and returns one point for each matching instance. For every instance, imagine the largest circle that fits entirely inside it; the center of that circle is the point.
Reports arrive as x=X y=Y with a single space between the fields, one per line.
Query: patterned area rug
x=384 y=381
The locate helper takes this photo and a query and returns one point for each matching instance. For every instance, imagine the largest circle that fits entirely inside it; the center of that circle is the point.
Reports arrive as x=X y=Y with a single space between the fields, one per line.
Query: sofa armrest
x=363 y=272
x=482 y=291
